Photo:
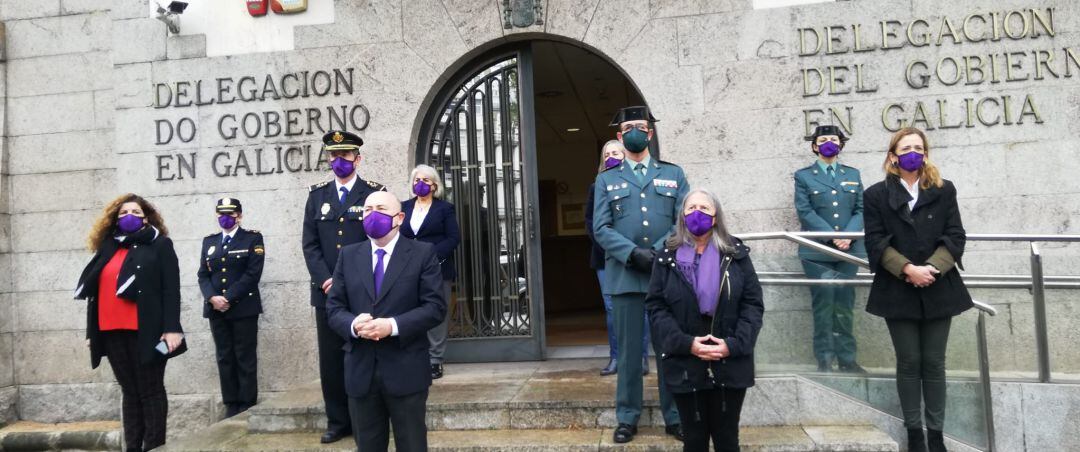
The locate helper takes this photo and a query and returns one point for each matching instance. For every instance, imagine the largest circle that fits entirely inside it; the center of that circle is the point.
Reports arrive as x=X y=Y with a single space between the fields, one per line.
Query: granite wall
x=85 y=119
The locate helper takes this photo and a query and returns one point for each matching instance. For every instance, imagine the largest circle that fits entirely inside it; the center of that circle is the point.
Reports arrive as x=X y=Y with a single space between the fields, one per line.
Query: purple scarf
x=704 y=276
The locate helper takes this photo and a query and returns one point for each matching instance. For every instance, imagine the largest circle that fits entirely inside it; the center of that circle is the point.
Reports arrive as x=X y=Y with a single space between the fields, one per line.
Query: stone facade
x=80 y=113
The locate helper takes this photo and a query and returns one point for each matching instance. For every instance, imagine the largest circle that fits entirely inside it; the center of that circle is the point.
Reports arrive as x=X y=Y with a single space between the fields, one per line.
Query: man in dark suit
x=386 y=295
x=332 y=219
x=230 y=268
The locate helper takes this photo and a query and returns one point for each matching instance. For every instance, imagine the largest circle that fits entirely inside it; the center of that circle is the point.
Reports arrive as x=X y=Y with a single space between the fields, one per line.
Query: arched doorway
x=515 y=136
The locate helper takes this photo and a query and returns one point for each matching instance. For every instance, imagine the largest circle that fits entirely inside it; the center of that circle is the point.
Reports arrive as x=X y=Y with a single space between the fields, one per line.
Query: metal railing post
x=984 y=382
x=1038 y=293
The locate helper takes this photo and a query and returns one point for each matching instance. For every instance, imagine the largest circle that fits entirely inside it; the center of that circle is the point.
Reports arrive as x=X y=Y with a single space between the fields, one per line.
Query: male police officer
x=332 y=219
x=829 y=197
x=636 y=205
x=230 y=268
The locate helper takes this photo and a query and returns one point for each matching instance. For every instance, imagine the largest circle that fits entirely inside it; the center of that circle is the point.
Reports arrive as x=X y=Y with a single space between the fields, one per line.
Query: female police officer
x=230 y=268
x=828 y=197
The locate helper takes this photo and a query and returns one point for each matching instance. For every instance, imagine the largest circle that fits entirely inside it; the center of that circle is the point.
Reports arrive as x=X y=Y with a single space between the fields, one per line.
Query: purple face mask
x=342 y=168
x=828 y=149
x=129 y=223
x=612 y=162
x=226 y=221
x=421 y=188
x=699 y=222
x=910 y=162
x=378 y=224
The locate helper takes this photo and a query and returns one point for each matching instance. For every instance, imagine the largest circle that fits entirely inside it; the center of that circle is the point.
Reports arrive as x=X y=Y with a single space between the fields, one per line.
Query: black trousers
x=332 y=375
x=373 y=414
x=145 y=405
x=235 y=342
x=920 y=369
x=713 y=413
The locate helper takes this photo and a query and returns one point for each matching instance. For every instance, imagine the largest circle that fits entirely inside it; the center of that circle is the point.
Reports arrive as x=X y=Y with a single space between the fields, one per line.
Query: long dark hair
x=105 y=226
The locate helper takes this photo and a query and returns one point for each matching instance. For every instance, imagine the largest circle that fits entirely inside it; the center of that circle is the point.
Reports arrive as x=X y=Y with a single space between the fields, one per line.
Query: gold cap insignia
x=338 y=137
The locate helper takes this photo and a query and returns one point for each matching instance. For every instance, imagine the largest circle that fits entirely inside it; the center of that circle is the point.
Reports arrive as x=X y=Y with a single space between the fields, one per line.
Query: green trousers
x=628 y=309
x=920 y=369
x=832 y=306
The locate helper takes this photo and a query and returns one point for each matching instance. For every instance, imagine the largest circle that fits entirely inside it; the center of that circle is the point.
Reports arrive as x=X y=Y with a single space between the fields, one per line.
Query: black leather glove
x=641 y=259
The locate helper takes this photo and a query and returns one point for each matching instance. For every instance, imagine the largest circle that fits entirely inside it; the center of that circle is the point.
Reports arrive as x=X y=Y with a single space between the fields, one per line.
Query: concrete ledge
x=104 y=435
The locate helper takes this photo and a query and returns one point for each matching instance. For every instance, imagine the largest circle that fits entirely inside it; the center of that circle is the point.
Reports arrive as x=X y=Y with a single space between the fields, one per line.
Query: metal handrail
x=1036 y=282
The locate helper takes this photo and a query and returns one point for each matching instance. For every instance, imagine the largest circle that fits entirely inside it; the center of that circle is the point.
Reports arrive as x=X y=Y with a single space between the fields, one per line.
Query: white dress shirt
x=389 y=248
x=348 y=185
x=418 y=216
x=230 y=234
x=912 y=190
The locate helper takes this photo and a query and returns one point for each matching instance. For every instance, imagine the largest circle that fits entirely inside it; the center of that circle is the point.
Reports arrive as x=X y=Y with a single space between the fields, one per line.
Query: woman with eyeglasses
x=915 y=240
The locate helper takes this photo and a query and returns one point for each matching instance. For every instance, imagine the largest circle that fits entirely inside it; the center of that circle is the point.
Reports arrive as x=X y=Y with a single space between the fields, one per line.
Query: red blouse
x=115 y=313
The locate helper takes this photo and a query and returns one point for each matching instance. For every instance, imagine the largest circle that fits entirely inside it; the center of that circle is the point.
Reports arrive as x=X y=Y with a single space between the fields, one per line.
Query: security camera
x=171 y=15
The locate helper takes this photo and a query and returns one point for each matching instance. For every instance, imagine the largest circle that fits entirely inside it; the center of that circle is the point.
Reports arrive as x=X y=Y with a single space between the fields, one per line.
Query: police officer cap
x=827 y=130
x=340 y=140
x=229 y=205
x=636 y=113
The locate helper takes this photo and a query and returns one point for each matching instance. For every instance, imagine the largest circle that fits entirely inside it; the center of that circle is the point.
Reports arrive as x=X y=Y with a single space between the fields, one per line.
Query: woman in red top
x=132 y=286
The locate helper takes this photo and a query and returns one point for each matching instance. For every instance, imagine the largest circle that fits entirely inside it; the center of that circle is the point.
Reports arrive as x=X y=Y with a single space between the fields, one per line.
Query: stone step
x=25 y=435
x=232 y=435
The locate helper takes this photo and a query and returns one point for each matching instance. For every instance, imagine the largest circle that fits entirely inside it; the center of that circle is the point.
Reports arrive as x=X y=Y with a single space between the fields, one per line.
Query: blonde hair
x=430 y=173
x=929 y=175
x=604 y=149
x=105 y=226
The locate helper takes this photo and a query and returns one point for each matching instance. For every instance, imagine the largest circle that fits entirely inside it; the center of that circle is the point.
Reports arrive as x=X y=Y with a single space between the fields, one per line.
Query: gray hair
x=430 y=173
x=718 y=233
x=604 y=149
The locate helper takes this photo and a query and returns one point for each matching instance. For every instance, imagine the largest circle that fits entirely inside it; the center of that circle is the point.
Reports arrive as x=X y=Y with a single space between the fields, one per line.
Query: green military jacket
x=629 y=212
x=829 y=204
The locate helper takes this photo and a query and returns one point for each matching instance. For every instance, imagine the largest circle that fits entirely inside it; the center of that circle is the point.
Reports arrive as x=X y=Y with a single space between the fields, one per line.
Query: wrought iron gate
x=476 y=142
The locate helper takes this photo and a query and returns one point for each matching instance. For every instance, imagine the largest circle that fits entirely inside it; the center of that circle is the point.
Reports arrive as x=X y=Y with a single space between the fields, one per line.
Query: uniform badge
x=338 y=137
x=665 y=183
x=325 y=208
x=259 y=250
x=210 y=250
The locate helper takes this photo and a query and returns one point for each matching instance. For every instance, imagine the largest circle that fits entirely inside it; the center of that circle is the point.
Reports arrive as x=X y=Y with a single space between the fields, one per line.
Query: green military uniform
x=635 y=211
x=829 y=197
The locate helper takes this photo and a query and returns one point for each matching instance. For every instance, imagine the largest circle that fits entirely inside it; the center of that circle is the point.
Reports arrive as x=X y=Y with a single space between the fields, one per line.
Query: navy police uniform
x=329 y=225
x=231 y=265
x=829 y=197
x=635 y=213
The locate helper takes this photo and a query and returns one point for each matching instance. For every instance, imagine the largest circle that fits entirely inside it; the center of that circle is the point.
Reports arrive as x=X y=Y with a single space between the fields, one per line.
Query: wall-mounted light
x=573 y=129
x=171 y=15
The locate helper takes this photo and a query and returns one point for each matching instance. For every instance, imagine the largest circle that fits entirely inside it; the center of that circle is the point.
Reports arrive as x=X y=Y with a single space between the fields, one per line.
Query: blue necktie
x=640 y=171
x=344 y=194
x=379 y=271
x=225 y=242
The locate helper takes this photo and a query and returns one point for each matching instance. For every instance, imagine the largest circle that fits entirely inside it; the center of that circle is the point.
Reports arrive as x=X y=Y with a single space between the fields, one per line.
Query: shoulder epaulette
x=377 y=186
x=609 y=169
x=253 y=231
x=318 y=185
x=212 y=234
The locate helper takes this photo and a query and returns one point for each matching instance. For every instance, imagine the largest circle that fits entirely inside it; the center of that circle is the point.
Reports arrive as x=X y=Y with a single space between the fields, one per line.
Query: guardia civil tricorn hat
x=827 y=130
x=340 y=140
x=637 y=113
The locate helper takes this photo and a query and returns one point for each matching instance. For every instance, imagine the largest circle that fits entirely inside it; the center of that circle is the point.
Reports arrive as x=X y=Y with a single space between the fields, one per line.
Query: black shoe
x=645 y=365
x=824 y=366
x=611 y=368
x=624 y=433
x=675 y=430
x=333 y=437
x=935 y=441
x=436 y=371
x=853 y=368
x=915 y=440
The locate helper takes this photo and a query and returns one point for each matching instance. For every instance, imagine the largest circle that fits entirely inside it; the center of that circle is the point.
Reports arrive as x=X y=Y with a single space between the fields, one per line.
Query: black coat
x=916 y=234
x=676 y=319
x=596 y=254
x=233 y=272
x=151 y=276
x=411 y=294
x=328 y=226
x=440 y=228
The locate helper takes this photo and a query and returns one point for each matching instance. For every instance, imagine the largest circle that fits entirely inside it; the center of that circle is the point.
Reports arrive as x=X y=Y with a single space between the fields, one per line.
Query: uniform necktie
x=226 y=241
x=344 y=194
x=379 y=270
x=639 y=170
x=832 y=174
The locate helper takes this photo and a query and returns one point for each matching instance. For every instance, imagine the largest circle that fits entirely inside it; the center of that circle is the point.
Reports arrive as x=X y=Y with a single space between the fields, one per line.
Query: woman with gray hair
x=430 y=219
x=705 y=307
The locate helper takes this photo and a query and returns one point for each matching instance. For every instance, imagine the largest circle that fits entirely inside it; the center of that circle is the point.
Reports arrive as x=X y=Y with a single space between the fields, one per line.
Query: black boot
x=935 y=441
x=915 y=440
